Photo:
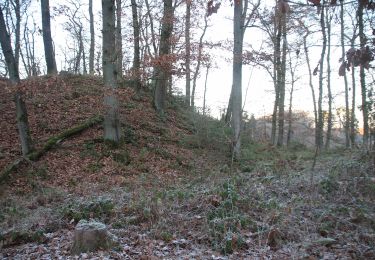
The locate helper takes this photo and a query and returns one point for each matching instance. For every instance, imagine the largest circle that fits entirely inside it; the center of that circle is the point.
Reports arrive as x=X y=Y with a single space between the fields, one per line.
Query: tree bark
x=342 y=36
x=238 y=29
x=153 y=38
x=119 y=39
x=281 y=83
x=21 y=111
x=92 y=40
x=136 y=35
x=187 y=52
x=353 y=132
x=49 y=52
x=311 y=86
x=329 y=92
x=321 y=70
x=161 y=73
x=111 y=120
x=290 y=115
x=276 y=75
x=362 y=75
x=17 y=9
x=205 y=90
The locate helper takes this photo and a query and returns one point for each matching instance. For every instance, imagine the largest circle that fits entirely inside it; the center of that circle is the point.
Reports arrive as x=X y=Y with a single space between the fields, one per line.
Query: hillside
x=170 y=190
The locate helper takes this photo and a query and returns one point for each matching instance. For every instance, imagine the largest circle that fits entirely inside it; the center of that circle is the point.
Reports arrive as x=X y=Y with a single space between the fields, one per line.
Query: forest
x=113 y=144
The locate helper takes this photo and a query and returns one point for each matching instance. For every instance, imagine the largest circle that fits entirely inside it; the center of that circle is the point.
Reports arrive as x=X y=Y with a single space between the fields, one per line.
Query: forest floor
x=170 y=189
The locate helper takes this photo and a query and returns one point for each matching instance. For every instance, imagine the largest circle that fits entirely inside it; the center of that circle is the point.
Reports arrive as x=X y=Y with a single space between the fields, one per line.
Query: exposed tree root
x=34 y=156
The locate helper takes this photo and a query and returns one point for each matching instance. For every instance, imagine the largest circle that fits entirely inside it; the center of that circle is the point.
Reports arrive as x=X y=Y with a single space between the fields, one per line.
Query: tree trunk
x=199 y=58
x=205 y=91
x=187 y=52
x=77 y=66
x=311 y=86
x=228 y=114
x=83 y=57
x=136 y=34
x=153 y=38
x=353 y=132
x=276 y=75
x=92 y=40
x=238 y=29
x=111 y=120
x=329 y=92
x=47 y=39
x=161 y=73
x=342 y=35
x=321 y=70
x=290 y=117
x=281 y=83
x=17 y=9
x=21 y=112
x=119 y=39
x=362 y=75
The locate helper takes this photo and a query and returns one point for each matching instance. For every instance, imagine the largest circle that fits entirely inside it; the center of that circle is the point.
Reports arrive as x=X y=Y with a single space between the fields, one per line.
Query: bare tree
x=119 y=39
x=342 y=37
x=136 y=35
x=111 y=121
x=199 y=59
x=187 y=52
x=21 y=112
x=92 y=39
x=162 y=70
x=47 y=39
x=362 y=75
x=329 y=18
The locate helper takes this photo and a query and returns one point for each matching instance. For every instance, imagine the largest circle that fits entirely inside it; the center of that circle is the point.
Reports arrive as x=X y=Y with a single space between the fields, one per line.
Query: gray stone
x=90 y=236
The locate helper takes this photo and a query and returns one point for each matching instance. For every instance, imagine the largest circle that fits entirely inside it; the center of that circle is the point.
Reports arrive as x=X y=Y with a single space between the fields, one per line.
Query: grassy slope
x=168 y=190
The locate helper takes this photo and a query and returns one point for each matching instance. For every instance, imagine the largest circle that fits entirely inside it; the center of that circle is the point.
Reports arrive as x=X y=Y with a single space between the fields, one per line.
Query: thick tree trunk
x=92 y=40
x=187 y=52
x=319 y=143
x=21 y=112
x=362 y=75
x=111 y=121
x=161 y=73
x=136 y=35
x=237 y=77
x=347 y=117
x=119 y=39
x=47 y=39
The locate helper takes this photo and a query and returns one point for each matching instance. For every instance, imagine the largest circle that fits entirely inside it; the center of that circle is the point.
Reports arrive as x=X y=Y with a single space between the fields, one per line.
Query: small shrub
x=328 y=185
x=166 y=236
x=94 y=167
x=225 y=221
x=100 y=208
x=208 y=133
x=121 y=157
